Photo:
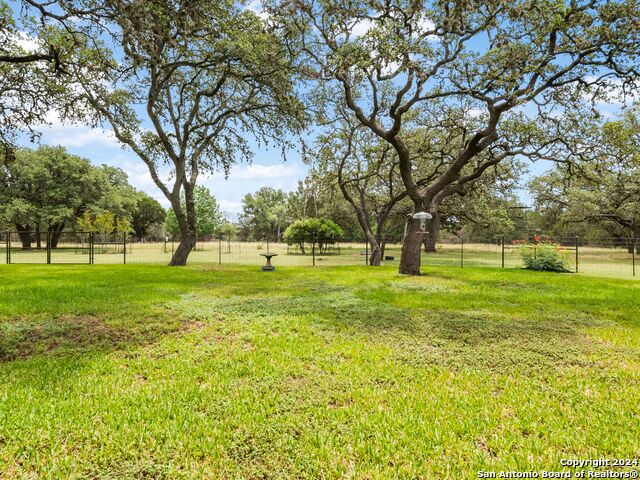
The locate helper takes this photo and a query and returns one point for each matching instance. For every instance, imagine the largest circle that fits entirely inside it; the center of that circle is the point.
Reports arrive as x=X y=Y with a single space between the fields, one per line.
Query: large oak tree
x=185 y=85
x=399 y=64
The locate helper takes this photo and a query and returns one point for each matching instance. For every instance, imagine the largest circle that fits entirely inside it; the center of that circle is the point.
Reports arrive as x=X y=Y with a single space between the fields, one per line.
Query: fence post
x=633 y=255
x=503 y=251
x=366 y=252
x=220 y=250
x=48 y=247
x=92 y=240
x=577 y=255
x=124 y=244
x=313 y=249
x=8 y=247
x=461 y=252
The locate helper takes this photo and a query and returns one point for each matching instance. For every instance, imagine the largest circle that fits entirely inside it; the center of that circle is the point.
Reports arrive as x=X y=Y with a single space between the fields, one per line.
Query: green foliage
x=148 y=212
x=85 y=223
x=104 y=223
x=545 y=257
x=48 y=186
x=318 y=228
x=228 y=230
x=123 y=226
x=265 y=213
x=208 y=215
x=320 y=231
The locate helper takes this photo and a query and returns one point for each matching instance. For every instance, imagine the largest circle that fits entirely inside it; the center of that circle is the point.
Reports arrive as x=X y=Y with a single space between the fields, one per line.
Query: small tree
x=228 y=230
x=320 y=231
x=104 y=224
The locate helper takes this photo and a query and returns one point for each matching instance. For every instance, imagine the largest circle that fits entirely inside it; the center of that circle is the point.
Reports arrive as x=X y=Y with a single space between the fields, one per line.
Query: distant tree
x=123 y=226
x=265 y=213
x=147 y=213
x=604 y=188
x=228 y=230
x=319 y=231
x=104 y=224
x=45 y=190
x=208 y=216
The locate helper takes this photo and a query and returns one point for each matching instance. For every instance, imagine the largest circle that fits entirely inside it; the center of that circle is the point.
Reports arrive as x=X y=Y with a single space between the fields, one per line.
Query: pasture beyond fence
x=604 y=256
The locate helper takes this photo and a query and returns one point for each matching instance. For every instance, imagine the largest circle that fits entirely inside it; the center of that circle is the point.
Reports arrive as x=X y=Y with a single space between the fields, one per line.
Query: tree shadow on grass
x=23 y=338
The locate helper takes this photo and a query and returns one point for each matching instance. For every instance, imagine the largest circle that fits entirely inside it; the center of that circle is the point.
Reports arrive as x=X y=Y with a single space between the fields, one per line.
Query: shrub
x=545 y=257
x=319 y=230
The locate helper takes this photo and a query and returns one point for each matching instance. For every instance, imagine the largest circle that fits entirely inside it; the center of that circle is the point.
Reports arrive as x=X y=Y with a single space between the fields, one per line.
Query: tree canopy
x=464 y=70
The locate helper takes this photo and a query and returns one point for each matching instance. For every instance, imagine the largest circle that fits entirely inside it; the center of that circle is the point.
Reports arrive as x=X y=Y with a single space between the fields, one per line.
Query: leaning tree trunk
x=181 y=254
x=187 y=223
x=429 y=240
x=411 y=246
x=25 y=235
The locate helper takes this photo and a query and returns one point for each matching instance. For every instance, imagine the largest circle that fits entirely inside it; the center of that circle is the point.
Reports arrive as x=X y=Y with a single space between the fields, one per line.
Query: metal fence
x=613 y=257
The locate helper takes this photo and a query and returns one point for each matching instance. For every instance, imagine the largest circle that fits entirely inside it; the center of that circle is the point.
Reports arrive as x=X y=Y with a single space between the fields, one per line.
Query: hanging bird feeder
x=422 y=217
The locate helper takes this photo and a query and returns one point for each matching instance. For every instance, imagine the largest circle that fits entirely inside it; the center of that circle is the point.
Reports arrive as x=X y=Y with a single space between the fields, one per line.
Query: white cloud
x=361 y=27
x=27 y=42
x=75 y=136
x=261 y=172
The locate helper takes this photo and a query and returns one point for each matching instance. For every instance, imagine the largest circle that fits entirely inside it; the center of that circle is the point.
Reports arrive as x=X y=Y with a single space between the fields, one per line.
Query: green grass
x=129 y=372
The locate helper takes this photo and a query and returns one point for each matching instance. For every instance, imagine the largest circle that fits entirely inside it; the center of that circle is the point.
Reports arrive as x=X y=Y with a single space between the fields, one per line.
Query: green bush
x=545 y=257
x=321 y=231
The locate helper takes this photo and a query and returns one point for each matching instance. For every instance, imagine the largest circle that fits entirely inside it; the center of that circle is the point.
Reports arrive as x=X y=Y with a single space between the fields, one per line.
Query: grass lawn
x=142 y=371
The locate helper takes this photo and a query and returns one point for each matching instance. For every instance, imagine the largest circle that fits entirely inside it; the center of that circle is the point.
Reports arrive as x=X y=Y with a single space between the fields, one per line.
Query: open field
x=142 y=371
x=612 y=262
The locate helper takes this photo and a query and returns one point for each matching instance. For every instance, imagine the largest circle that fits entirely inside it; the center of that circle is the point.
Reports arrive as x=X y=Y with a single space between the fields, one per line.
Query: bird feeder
x=422 y=217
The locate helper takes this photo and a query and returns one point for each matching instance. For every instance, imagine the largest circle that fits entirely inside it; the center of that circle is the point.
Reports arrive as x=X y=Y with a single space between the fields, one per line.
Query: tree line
x=414 y=106
x=45 y=191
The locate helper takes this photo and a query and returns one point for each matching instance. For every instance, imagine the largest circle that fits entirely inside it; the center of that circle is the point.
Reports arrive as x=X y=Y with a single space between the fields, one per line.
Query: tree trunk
x=187 y=223
x=24 y=234
x=376 y=254
x=429 y=241
x=411 y=247
x=181 y=254
x=55 y=230
x=38 y=240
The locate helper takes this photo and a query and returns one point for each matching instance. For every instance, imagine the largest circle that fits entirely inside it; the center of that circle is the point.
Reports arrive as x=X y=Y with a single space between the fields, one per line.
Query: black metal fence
x=63 y=247
x=614 y=257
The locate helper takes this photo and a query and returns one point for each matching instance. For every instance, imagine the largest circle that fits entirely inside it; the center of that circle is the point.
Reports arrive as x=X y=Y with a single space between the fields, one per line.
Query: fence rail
x=605 y=256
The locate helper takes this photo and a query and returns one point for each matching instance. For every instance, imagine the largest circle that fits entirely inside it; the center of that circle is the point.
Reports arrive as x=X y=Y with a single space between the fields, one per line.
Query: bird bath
x=268 y=267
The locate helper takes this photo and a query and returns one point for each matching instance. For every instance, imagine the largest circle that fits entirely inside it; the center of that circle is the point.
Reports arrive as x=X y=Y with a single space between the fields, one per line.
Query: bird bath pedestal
x=268 y=267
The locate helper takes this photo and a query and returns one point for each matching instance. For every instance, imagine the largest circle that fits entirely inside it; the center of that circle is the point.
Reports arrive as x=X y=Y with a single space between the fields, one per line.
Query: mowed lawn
x=130 y=372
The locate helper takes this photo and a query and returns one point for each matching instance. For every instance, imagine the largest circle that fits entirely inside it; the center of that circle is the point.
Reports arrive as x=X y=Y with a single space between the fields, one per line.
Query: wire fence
x=613 y=257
